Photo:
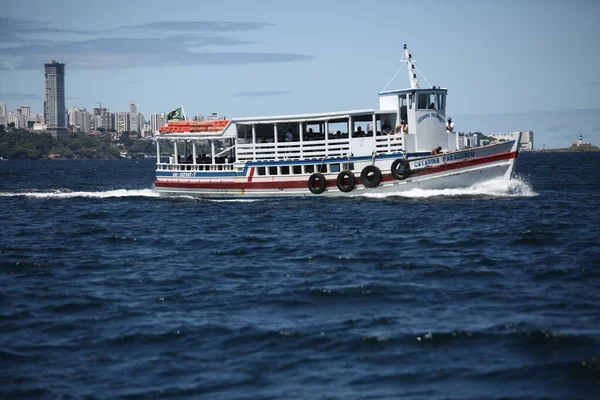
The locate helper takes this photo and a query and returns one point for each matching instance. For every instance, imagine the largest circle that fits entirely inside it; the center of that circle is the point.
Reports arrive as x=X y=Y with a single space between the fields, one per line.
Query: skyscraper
x=134 y=125
x=122 y=122
x=3 y=114
x=102 y=118
x=156 y=121
x=54 y=103
x=25 y=111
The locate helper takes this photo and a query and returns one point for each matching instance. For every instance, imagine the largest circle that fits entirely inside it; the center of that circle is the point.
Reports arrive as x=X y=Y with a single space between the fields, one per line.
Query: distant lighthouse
x=580 y=142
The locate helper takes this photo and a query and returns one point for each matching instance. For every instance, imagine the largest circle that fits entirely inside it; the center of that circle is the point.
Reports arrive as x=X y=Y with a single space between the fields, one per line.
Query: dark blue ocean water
x=108 y=291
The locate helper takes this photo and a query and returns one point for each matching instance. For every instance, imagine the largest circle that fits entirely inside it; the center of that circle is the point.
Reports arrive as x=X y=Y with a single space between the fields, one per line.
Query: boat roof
x=330 y=116
x=338 y=116
x=409 y=90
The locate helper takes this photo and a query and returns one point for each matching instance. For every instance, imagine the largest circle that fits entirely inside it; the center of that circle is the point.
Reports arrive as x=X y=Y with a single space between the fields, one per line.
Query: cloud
x=195 y=26
x=264 y=93
x=17 y=30
x=19 y=96
x=29 y=44
x=555 y=128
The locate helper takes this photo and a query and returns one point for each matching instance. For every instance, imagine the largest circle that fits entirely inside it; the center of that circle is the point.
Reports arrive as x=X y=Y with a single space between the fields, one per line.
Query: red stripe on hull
x=466 y=163
x=302 y=184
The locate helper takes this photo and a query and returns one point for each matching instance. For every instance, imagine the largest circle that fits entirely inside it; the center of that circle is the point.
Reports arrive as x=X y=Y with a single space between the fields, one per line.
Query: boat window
x=403 y=108
x=285 y=170
x=309 y=169
x=262 y=170
x=272 y=170
x=429 y=101
x=441 y=101
x=334 y=168
x=297 y=169
x=322 y=168
x=244 y=133
x=313 y=131
x=423 y=101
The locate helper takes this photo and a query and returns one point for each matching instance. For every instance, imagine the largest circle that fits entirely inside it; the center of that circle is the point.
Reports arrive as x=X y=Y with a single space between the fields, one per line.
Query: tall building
x=122 y=122
x=102 y=118
x=527 y=140
x=16 y=118
x=79 y=119
x=54 y=103
x=134 y=124
x=141 y=123
x=25 y=111
x=3 y=114
x=156 y=121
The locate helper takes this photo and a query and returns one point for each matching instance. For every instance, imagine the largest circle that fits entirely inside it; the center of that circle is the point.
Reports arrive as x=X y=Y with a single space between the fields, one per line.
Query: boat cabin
x=424 y=110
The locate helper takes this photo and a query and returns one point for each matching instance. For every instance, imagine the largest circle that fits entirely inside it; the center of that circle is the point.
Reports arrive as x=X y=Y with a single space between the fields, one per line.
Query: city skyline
x=516 y=59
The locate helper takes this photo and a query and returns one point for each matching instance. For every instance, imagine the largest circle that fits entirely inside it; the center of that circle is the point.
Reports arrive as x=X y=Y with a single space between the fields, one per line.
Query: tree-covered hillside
x=22 y=144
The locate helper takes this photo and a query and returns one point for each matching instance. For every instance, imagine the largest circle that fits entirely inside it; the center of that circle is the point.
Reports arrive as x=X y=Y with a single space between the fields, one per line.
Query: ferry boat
x=345 y=153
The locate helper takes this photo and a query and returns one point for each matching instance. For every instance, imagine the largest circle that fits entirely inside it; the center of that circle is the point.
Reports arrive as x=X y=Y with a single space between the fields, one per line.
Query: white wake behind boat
x=329 y=154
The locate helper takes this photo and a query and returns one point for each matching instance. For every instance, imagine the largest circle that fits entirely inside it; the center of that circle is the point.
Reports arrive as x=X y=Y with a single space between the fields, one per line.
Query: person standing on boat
x=403 y=127
x=289 y=136
x=437 y=150
x=450 y=125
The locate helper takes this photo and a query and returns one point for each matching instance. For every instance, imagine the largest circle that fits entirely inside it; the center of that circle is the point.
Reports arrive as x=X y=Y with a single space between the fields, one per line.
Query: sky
x=508 y=65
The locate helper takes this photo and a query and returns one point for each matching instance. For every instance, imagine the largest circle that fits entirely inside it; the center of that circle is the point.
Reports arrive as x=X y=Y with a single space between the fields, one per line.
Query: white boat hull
x=453 y=170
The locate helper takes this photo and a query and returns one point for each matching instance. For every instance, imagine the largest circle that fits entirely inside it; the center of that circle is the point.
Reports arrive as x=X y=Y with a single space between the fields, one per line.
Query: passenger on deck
x=450 y=125
x=404 y=126
x=359 y=132
x=289 y=136
x=386 y=128
x=437 y=150
x=432 y=106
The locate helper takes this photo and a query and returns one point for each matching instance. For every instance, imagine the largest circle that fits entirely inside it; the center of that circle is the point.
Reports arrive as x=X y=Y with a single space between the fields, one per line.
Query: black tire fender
x=351 y=181
x=370 y=176
x=317 y=183
x=401 y=168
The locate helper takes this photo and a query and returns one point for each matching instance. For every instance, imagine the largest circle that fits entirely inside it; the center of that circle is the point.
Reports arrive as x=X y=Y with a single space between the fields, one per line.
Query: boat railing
x=293 y=150
x=389 y=143
x=194 y=167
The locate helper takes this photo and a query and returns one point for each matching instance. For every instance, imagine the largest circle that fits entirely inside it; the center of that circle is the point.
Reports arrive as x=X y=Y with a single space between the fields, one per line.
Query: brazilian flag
x=175 y=114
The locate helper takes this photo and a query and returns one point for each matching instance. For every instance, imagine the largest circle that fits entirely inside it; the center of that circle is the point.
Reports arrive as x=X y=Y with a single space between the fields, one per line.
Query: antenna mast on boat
x=412 y=75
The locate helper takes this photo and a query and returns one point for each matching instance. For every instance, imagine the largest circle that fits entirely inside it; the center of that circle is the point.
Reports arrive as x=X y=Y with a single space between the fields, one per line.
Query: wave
x=66 y=194
x=499 y=187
